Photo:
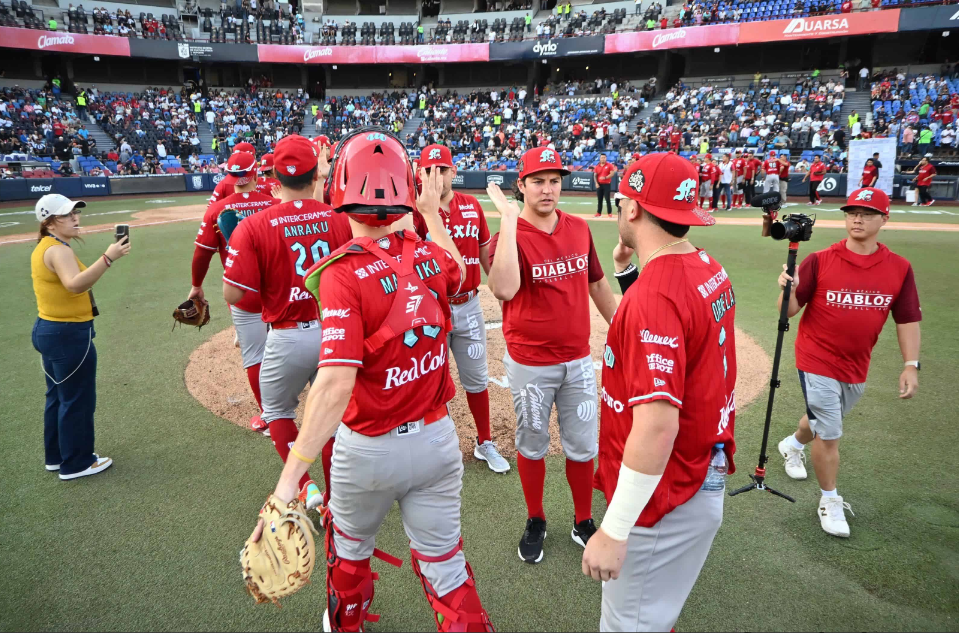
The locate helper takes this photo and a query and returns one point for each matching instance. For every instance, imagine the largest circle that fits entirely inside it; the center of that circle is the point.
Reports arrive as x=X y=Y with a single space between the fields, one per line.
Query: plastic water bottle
x=716 y=475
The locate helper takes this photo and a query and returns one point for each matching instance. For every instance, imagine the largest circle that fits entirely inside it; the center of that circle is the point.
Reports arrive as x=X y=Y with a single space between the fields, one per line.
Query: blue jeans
x=69 y=358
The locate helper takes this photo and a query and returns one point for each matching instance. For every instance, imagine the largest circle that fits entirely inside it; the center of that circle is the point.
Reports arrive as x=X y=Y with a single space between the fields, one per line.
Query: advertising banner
x=92 y=186
x=861 y=151
x=929 y=18
x=833 y=185
x=197 y=51
x=443 y=53
x=14 y=189
x=547 y=49
x=277 y=53
x=504 y=179
x=469 y=180
x=579 y=181
x=692 y=37
x=64 y=42
x=886 y=21
x=197 y=182
x=36 y=188
x=148 y=184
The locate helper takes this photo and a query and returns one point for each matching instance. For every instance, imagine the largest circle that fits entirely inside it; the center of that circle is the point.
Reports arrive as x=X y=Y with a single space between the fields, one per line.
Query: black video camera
x=795 y=227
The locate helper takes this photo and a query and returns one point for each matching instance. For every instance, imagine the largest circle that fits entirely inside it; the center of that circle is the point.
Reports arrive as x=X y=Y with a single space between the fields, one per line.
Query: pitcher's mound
x=216 y=378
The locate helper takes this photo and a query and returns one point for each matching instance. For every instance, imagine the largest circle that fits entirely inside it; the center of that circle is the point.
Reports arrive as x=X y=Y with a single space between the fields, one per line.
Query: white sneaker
x=832 y=517
x=488 y=453
x=52 y=467
x=915 y=204
x=795 y=460
x=98 y=466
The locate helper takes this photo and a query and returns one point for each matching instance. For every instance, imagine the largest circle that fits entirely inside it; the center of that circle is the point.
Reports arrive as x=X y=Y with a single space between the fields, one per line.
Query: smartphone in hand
x=122 y=230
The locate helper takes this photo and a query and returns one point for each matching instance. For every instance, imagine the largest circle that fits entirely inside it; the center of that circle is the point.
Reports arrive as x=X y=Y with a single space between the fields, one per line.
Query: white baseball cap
x=55 y=204
x=928 y=155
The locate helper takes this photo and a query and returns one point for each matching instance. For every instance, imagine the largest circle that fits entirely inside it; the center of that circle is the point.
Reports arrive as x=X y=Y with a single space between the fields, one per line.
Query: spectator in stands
x=925 y=140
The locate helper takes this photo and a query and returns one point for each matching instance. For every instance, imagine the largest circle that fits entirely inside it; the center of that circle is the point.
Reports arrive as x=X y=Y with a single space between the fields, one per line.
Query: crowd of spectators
x=920 y=111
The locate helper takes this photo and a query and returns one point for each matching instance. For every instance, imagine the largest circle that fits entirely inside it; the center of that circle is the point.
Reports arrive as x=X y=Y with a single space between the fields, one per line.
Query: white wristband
x=633 y=491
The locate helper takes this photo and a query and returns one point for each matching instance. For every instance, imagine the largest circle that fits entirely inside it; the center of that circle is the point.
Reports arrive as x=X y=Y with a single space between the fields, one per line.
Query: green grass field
x=152 y=544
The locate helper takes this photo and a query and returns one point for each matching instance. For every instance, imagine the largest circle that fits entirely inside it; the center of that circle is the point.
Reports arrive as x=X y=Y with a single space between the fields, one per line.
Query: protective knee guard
x=460 y=609
x=348 y=609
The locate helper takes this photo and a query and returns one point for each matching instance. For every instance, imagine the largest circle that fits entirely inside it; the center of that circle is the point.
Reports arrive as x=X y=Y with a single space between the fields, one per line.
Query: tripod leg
x=742 y=490
x=779 y=494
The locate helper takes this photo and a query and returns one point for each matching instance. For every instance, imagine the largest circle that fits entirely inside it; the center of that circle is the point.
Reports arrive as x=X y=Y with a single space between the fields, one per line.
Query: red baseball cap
x=321 y=141
x=436 y=156
x=294 y=155
x=772 y=153
x=244 y=147
x=868 y=198
x=665 y=185
x=266 y=163
x=637 y=156
x=540 y=159
x=238 y=168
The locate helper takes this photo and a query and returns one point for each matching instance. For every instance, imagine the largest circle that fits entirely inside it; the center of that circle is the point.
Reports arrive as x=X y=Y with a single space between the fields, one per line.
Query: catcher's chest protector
x=414 y=303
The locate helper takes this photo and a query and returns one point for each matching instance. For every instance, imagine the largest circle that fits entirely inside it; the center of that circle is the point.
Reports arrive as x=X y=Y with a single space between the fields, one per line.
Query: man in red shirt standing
x=771 y=169
x=714 y=172
x=663 y=138
x=752 y=171
x=603 y=172
x=675 y=139
x=783 y=162
x=705 y=181
x=271 y=252
x=870 y=174
x=739 y=179
x=544 y=269
x=267 y=179
x=848 y=291
x=668 y=406
x=382 y=387
x=250 y=328
x=926 y=172
x=224 y=188
x=816 y=173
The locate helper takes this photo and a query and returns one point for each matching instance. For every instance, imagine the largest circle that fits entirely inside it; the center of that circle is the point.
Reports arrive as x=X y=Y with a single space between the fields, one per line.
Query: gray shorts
x=251 y=334
x=661 y=567
x=828 y=401
x=572 y=386
x=467 y=343
x=706 y=189
x=289 y=363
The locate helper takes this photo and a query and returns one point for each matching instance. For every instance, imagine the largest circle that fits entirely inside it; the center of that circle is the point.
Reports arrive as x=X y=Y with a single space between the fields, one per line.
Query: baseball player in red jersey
x=544 y=269
x=784 y=164
x=848 y=291
x=222 y=188
x=771 y=170
x=753 y=165
x=267 y=177
x=663 y=138
x=675 y=139
x=739 y=179
x=926 y=172
x=668 y=406
x=705 y=181
x=465 y=222
x=250 y=328
x=712 y=169
x=816 y=173
x=271 y=252
x=383 y=384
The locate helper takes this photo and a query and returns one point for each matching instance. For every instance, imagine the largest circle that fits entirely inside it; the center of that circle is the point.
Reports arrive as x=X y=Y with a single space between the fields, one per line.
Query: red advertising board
x=278 y=53
x=691 y=37
x=835 y=25
x=31 y=39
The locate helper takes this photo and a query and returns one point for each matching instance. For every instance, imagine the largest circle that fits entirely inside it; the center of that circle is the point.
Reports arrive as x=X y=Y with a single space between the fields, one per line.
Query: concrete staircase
x=206 y=137
x=861 y=102
x=411 y=125
x=104 y=141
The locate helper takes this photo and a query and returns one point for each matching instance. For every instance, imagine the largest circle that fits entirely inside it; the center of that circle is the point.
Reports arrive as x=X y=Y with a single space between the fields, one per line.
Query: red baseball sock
x=327 y=464
x=283 y=432
x=479 y=407
x=253 y=375
x=532 y=474
x=349 y=615
x=579 y=475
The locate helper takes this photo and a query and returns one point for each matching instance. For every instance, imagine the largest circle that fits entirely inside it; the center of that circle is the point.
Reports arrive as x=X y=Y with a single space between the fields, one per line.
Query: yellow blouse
x=54 y=302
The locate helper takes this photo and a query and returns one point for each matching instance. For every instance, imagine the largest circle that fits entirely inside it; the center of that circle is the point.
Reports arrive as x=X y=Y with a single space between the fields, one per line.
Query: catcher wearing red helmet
x=382 y=387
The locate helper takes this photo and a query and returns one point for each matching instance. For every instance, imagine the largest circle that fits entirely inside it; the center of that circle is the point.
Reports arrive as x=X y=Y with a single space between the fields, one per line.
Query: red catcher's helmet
x=371 y=179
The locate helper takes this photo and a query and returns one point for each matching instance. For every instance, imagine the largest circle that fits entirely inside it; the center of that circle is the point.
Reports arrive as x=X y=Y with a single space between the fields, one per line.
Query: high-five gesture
x=508 y=209
x=428 y=202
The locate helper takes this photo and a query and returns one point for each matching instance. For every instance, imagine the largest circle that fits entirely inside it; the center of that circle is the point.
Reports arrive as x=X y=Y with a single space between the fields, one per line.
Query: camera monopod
x=759 y=478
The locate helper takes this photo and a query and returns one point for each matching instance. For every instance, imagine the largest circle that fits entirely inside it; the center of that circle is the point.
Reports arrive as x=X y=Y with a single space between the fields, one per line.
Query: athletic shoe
x=487 y=452
x=327 y=627
x=598 y=215
x=52 y=467
x=930 y=203
x=531 y=545
x=259 y=426
x=795 y=460
x=915 y=204
x=98 y=466
x=582 y=531
x=832 y=517
x=310 y=495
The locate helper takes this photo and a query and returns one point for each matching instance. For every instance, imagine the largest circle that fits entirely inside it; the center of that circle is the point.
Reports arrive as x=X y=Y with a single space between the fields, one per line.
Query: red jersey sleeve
x=595 y=271
x=241 y=268
x=808 y=272
x=659 y=349
x=342 y=321
x=906 y=308
x=208 y=236
x=419 y=225
x=484 y=236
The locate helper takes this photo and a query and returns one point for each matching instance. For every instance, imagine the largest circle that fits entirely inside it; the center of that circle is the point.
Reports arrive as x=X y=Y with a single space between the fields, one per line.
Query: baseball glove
x=193 y=311
x=280 y=563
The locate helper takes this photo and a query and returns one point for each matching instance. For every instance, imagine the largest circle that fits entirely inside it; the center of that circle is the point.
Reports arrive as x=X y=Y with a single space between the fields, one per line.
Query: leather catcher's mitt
x=193 y=311
x=280 y=563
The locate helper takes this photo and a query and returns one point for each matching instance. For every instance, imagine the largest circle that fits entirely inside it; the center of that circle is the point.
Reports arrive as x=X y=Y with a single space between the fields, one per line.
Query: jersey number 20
x=319 y=250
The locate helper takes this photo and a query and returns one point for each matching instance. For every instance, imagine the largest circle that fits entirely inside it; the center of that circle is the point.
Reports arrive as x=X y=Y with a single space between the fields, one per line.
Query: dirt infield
x=215 y=377
x=147 y=217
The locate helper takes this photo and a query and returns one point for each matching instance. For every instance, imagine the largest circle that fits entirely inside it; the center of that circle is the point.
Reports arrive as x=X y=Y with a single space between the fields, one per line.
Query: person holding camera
x=848 y=291
x=63 y=335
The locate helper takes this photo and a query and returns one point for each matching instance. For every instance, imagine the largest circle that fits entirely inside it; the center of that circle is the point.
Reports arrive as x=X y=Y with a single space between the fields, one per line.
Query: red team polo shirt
x=672 y=339
x=210 y=238
x=466 y=224
x=399 y=382
x=784 y=170
x=926 y=174
x=868 y=173
x=547 y=322
x=272 y=250
x=847 y=298
x=817 y=171
x=604 y=173
x=752 y=167
x=264 y=185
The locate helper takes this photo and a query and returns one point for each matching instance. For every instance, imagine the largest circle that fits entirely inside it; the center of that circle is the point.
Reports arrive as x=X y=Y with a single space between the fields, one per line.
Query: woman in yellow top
x=63 y=334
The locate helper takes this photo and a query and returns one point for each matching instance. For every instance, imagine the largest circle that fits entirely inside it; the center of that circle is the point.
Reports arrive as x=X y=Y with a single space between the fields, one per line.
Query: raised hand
x=508 y=209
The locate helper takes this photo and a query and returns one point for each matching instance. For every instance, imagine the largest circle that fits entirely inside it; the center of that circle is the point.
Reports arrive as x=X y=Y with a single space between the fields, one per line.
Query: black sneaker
x=531 y=545
x=582 y=531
